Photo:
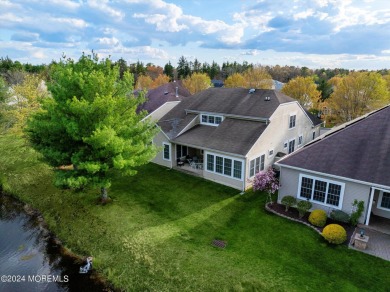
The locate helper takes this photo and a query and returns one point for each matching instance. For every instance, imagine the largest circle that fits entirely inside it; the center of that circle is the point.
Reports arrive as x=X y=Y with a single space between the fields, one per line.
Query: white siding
x=289 y=185
x=158 y=140
x=278 y=132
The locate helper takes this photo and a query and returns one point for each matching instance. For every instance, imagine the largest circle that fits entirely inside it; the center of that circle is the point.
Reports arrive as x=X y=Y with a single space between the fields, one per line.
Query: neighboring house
x=348 y=163
x=217 y=83
x=162 y=99
x=277 y=85
x=233 y=133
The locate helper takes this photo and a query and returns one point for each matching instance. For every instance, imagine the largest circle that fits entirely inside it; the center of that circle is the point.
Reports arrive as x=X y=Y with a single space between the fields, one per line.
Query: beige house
x=350 y=162
x=227 y=135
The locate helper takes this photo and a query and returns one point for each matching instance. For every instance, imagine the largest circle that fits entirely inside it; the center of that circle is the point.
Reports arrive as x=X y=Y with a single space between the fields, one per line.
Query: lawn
x=156 y=233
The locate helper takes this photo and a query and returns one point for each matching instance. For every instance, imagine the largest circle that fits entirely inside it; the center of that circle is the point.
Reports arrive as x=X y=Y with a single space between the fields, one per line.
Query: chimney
x=177 y=91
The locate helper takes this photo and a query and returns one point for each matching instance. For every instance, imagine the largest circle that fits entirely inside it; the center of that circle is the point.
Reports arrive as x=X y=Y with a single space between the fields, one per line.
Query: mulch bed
x=293 y=214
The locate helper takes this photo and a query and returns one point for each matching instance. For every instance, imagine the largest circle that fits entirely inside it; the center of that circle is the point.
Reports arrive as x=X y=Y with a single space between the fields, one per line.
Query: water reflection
x=31 y=258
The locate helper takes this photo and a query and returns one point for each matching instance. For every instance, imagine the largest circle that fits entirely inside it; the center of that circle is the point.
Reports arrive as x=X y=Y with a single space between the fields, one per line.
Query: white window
x=384 y=201
x=181 y=151
x=211 y=120
x=223 y=165
x=256 y=165
x=167 y=151
x=314 y=135
x=292 y=120
x=321 y=191
x=291 y=146
x=300 y=140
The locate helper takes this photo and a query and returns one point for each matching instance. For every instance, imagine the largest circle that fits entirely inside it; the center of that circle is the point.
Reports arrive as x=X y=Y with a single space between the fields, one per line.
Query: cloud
x=25 y=37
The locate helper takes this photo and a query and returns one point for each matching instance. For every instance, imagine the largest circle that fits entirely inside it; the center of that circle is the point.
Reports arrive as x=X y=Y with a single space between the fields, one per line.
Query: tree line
x=336 y=95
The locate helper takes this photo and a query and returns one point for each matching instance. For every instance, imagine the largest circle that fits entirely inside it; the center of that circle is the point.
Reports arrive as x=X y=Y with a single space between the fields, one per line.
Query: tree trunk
x=103 y=194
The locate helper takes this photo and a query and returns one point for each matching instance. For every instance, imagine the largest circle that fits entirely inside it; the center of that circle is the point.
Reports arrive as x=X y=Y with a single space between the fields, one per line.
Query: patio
x=379 y=237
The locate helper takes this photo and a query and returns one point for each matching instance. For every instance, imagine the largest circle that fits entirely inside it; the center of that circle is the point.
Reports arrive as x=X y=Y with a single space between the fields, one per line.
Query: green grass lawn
x=156 y=233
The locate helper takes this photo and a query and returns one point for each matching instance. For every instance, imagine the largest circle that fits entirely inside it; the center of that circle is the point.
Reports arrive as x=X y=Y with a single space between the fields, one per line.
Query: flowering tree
x=266 y=181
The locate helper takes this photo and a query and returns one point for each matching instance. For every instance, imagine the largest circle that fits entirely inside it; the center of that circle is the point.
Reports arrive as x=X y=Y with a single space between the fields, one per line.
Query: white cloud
x=108 y=41
x=103 y=6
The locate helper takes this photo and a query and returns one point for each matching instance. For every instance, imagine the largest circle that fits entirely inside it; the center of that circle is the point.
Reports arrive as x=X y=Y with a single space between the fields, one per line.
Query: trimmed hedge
x=288 y=201
x=334 y=233
x=318 y=218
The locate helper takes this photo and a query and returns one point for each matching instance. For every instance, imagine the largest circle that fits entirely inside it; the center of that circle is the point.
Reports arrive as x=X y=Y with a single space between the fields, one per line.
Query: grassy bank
x=156 y=233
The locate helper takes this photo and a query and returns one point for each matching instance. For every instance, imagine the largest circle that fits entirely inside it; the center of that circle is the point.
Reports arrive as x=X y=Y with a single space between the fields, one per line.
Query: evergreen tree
x=91 y=123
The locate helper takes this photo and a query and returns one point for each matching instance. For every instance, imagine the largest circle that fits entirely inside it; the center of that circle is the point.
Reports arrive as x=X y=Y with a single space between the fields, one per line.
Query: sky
x=351 y=34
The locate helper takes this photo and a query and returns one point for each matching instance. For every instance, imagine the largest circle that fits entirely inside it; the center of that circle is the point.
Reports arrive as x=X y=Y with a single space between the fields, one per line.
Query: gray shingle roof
x=162 y=94
x=359 y=150
x=232 y=136
x=238 y=101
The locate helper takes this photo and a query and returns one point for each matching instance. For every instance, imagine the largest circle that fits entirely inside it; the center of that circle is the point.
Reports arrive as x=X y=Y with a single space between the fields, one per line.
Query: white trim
x=205 y=162
x=239 y=156
x=163 y=152
x=370 y=206
x=226 y=115
x=288 y=147
x=167 y=102
x=271 y=153
x=186 y=128
x=331 y=175
x=289 y=120
x=378 y=204
x=301 y=175
x=208 y=116
x=254 y=159
x=300 y=144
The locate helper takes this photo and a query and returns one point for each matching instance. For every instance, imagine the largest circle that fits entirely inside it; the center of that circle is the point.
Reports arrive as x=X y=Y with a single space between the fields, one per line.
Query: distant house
x=227 y=135
x=163 y=98
x=277 y=85
x=217 y=83
x=350 y=162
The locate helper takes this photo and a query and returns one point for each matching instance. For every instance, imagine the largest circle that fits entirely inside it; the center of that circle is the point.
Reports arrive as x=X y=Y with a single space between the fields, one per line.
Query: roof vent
x=252 y=90
x=267 y=98
x=166 y=92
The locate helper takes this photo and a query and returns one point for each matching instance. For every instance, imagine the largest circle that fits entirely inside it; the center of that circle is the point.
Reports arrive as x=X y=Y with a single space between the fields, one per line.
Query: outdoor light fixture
x=362 y=232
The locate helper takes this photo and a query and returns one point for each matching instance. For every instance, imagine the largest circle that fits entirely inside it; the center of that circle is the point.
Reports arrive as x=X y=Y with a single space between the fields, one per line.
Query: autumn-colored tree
x=160 y=80
x=387 y=79
x=144 y=82
x=197 y=82
x=153 y=71
x=235 y=80
x=24 y=100
x=258 y=77
x=304 y=90
x=357 y=93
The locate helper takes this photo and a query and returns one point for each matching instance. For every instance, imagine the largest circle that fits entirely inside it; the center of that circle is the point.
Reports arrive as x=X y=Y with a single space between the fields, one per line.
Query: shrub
x=334 y=233
x=288 y=201
x=359 y=208
x=318 y=218
x=303 y=207
x=339 y=215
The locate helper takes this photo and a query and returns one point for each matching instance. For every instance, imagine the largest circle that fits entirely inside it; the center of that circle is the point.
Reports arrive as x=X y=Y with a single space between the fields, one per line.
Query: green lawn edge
x=156 y=234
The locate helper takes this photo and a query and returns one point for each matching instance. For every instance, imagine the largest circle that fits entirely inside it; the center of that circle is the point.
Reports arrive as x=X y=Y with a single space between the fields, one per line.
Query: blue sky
x=353 y=34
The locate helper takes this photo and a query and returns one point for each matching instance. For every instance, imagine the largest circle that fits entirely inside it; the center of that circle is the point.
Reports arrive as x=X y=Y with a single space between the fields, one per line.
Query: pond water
x=31 y=259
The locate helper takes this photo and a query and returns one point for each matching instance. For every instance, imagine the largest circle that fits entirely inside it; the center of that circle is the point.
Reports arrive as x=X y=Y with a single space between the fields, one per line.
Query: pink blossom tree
x=266 y=181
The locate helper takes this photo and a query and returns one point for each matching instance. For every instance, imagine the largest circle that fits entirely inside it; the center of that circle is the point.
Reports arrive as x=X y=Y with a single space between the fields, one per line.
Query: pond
x=31 y=259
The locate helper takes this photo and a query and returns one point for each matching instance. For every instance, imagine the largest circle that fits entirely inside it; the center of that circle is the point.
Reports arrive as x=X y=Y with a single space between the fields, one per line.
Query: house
x=162 y=99
x=348 y=163
x=229 y=134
